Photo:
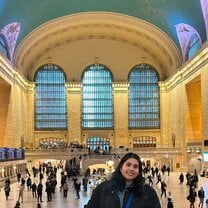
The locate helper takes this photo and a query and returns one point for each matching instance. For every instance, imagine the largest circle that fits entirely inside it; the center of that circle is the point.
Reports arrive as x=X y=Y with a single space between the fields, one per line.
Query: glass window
x=98 y=144
x=3 y=47
x=194 y=45
x=97 y=98
x=144 y=111
x=144 y=141
x=50 y=98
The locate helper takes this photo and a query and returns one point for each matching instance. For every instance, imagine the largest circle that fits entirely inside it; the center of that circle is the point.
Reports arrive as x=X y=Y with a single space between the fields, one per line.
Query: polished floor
x=178 y=191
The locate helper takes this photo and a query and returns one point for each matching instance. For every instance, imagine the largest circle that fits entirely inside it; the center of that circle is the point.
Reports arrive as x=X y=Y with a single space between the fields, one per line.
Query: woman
x=126 y=188
x=7 y=190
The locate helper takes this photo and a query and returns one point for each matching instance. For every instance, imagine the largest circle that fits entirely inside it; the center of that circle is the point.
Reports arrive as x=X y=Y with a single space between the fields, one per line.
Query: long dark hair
x=119 y=181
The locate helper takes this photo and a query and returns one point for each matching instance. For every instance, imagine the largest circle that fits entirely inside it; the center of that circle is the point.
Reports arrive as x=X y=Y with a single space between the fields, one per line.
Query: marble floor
x=179 y=193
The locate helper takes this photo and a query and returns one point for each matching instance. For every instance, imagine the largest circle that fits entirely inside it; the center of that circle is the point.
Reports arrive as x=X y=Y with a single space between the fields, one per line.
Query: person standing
x=34 y=190
x=49 y=190
x=17 y=205
x=40 y=192
x=201 y=196
x=38 y=205
x=65 y=189
x=77 y=186
x=192 y=196
x=168 y=170
x=21 y=190
x=126 y=188
x=18 y=177
x=7 y=190
x=170 y=203
x=181 y=178
x=85 y=182
x=29 y=183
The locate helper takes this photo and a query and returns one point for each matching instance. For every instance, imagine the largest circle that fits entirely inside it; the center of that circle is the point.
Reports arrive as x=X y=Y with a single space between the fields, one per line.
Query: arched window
x=98 y=144
x=144 y=109
x=3 y=46
x=194 y=45
x=50 y=98
x=97 y=98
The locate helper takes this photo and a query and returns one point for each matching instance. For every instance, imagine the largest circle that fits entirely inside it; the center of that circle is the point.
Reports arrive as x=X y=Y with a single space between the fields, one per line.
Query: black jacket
x=105 y=196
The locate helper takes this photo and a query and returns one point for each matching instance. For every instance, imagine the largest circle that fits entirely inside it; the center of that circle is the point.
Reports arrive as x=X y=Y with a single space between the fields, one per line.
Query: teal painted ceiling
x=165 y=14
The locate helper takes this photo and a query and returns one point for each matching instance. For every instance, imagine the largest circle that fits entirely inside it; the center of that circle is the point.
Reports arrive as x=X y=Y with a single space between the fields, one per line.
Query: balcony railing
x=66 y=153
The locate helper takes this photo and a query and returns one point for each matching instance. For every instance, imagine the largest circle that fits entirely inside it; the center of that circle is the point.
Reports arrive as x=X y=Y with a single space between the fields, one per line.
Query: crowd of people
x=131 y=179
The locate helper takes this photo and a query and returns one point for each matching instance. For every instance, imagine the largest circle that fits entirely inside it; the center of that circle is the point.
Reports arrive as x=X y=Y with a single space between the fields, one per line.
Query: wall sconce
x=198 y=150
x=110 y=163
x=188 y=150
x=193 y=150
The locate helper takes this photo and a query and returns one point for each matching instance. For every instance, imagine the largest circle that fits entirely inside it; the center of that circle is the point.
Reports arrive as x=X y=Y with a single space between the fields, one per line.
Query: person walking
x=126 y=188
x=201 y=196
x=149 y=177
x=181 y=178
x=159 y=178
x=163 y=188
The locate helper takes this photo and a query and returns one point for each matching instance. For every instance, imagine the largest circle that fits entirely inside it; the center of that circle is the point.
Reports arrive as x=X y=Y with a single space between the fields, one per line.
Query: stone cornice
x=192 y=67
x=11 y=76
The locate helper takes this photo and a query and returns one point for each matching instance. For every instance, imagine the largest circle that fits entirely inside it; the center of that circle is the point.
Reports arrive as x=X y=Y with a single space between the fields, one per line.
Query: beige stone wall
x=165 y=137
x=120 y=117
x=15 y=116
x=204 y=95
x=6 y=114
x=30 y=141
x=193 y=123
x=176 y=116
x=74 y=113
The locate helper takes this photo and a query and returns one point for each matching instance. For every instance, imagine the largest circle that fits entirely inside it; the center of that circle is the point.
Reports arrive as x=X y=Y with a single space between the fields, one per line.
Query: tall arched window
x=97 y=98
x=3 y=46
x=144 y=111
x=50 y=98
x=194 y=45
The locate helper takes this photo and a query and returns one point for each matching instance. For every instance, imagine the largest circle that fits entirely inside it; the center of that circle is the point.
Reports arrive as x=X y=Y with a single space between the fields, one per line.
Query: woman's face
x=130 y=169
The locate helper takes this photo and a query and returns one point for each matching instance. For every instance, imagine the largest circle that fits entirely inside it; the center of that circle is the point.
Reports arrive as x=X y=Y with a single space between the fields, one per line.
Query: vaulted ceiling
x=64 y=32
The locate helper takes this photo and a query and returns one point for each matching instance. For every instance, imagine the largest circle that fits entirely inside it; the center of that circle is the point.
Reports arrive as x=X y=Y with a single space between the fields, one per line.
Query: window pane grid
x=98 y=143
x=3 y=47
x=97 y=98
x=194 y=46
x=143 y=98
x=50 y=98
